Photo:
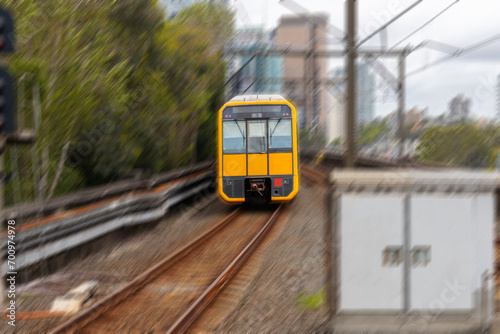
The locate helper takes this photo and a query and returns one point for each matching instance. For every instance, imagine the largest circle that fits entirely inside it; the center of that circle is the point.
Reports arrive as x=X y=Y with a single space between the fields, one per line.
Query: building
x=303 y=76
x=459 y=109
x=365 y=93
x=335 y=100
x=414 y=118
x=264 y=73
x=335 y=115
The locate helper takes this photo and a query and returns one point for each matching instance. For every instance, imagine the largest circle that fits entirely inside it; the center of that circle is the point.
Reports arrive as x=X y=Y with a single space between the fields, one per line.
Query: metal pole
x=315 y=81
x=307 y=96
x=401 y=108
x=3 y=301
x=351 y=82
x=331 y=262
x=3 y=221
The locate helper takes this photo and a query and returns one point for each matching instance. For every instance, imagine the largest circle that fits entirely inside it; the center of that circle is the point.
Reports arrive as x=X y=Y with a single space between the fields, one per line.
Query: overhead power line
x=391 y=21
x=457 y=54
x=424 y=25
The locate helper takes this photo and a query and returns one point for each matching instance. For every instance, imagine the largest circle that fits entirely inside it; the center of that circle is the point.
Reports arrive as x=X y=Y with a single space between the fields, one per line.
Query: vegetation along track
x=169 y=296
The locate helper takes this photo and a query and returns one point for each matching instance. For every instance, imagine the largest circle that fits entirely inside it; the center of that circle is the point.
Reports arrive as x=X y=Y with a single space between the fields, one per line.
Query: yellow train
x=258 y=150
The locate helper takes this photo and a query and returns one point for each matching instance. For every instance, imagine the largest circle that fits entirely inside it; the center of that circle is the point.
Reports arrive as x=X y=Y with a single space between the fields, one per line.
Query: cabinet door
x=441 y=278
x=371 y=270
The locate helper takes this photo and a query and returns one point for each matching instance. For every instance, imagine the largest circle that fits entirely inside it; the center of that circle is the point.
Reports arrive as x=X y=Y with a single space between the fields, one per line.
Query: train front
x=257 y=150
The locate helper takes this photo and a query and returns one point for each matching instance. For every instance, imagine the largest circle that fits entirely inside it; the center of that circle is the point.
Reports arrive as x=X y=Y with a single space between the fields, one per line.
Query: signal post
x=8 y=135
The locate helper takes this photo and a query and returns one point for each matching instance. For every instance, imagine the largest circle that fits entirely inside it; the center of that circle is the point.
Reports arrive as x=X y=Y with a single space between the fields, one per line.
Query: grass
x=311 y=301
x=26 y=297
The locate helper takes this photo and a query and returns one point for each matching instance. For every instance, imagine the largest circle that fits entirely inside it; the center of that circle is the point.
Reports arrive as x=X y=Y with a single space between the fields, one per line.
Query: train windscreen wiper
x=275 y=127
x=239 y=129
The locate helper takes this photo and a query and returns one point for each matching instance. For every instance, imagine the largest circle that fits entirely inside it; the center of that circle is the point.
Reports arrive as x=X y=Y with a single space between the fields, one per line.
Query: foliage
x=310 y=139
x=112 y=87
x=312 y=301
x=337 y=142
x=462 y=145
x=372 y=132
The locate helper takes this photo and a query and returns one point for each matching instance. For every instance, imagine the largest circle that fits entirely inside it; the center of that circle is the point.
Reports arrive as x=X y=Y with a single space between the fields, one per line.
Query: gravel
x=264 y=297
x=266 y=294
x=116 y=263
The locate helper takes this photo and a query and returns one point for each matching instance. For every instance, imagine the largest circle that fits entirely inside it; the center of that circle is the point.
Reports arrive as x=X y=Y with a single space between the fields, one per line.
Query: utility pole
x=6 y=116
x=402 y=102
x=307 y=77
x=350 y=59
x=315 y=81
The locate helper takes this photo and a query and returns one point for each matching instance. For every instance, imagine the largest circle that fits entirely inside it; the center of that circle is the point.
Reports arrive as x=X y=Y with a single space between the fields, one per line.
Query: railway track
x=40 y=239
x=59 y=215
x=27 y=212
x=170 y=296
x=313 y=175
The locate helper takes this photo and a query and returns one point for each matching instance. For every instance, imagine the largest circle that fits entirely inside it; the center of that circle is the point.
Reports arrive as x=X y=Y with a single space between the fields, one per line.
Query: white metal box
x=408 y=242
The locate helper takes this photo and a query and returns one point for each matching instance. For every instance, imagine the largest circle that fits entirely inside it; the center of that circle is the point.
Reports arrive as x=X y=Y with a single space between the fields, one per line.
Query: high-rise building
x=365 y=93
x=303 y=76
x=264 y=73
x=459 y=108
x=365 y=97
x=335 y=114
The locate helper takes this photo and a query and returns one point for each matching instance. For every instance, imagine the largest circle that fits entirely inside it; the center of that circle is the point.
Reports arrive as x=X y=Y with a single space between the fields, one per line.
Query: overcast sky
x=465 y=23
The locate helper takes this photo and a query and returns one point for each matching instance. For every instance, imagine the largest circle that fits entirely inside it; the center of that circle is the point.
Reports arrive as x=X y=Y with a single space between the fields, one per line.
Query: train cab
x=257 y=150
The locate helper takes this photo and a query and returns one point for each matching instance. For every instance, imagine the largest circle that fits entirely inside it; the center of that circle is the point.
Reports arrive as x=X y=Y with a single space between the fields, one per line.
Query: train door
x=257 y=148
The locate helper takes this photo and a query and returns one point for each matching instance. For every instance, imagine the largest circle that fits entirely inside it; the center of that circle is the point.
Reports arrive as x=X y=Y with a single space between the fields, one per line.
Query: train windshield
x=280 y=133
x=234 y=138
x=257 y=139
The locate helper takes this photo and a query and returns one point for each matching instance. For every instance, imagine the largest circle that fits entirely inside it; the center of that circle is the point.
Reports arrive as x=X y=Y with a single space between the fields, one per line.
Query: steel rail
x=22 y=212
x=80 y=320
x=197 y=308
x=154 y=205
x=313 y=175
x=87 y=232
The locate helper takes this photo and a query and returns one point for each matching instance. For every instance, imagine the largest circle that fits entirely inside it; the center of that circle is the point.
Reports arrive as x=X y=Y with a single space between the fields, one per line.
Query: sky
x=467 y=22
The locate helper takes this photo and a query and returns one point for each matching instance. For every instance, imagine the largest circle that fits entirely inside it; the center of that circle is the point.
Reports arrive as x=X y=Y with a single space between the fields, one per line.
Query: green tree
x=310 y=139
x=372 y=132
x=112 y=86
x=462 y=145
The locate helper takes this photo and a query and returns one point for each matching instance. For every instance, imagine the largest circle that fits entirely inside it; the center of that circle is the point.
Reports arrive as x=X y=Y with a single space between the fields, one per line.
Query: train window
x=280 y=133
x=257 y=139
x=234 y=138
